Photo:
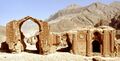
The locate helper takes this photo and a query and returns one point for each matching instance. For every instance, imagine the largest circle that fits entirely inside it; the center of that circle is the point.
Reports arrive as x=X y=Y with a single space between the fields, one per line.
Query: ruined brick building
x=86 y=41
x=15 y=37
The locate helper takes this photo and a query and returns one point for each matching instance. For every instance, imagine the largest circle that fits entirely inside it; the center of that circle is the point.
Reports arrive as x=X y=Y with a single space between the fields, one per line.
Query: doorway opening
x=30 y=29
x=97 y=43
x=96 y=46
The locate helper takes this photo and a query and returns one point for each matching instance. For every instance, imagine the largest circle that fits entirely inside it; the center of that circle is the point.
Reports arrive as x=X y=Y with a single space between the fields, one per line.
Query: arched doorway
x=30 y=29
x=16 y=41
x=96 y=46
x=97 y=43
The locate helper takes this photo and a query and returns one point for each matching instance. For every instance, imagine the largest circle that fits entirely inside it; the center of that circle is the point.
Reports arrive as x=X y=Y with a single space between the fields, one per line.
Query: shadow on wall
x=4 y=47
x=67 y=49
x=32 y=51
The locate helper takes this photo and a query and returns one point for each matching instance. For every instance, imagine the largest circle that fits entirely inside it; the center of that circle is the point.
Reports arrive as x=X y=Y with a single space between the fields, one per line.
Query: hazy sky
x=41 y=9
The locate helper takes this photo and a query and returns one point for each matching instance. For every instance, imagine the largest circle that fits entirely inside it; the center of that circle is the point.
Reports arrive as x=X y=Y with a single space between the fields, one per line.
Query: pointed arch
x=38 y=22
x=97 y=41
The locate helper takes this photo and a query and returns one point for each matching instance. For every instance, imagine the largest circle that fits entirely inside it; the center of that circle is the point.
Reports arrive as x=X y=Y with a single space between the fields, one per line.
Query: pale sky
x=41 y=9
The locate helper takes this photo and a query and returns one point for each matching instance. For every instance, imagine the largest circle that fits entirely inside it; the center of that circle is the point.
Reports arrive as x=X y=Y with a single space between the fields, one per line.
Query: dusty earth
x=58 y=56
x=31 y=55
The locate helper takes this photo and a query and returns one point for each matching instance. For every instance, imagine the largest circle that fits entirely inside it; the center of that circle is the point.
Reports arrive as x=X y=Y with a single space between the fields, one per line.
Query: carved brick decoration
x=91 y=41
x=94 y=41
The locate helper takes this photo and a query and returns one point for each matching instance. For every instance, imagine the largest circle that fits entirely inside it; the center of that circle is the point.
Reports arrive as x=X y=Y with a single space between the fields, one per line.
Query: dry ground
x=31 y=55
x=58 y=56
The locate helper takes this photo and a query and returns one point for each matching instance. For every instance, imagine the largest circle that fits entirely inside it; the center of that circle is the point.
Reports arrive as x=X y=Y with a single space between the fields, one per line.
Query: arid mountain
x=72 y=9
x=75 y=16
x=2 y=33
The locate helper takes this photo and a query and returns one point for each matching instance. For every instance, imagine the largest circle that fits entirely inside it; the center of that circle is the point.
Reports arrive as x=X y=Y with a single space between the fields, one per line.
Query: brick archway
x=97 y=41
x=38 y=22
x=21 y=22
x=15 y=37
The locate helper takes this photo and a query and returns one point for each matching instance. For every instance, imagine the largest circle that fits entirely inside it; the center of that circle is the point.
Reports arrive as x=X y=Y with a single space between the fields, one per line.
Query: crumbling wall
x=78 y=41
x=44 y=39
x=13 y=38
x=118 y=51
x=117 y=48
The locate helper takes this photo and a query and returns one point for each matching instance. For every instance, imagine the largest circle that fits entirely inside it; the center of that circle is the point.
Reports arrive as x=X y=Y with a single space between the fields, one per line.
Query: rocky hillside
x=75 y=16
x=2 y=33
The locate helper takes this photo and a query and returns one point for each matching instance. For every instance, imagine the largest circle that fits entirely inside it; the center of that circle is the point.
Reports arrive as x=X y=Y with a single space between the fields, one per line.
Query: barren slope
x=74 y=16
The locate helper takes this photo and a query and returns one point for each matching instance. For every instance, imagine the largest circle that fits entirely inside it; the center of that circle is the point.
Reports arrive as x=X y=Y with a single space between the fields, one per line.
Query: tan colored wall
x=79 y=42
x=15 y=37
x=106 y=43
x=84 y=46
x=118 y=50
x=44 y=39
x=89 y=46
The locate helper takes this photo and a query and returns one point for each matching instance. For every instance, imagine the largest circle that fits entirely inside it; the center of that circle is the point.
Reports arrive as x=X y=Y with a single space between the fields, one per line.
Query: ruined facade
x=87 y=41
x=15 y=37
x=93 y=41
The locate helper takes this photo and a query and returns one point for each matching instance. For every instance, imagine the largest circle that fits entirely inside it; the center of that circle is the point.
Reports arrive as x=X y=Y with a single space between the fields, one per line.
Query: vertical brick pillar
x=14 y=37
x=112 y=42
x=10 y=34
x=74 y=44
x=58 y=39
x=44 y=46
x=89 y=45
x=106 y=43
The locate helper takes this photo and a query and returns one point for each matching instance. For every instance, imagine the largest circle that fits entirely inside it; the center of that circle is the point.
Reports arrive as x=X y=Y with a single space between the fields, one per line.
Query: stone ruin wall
x=15 y=36
x=81 y=41
x=78 y=41
x=117 y=47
